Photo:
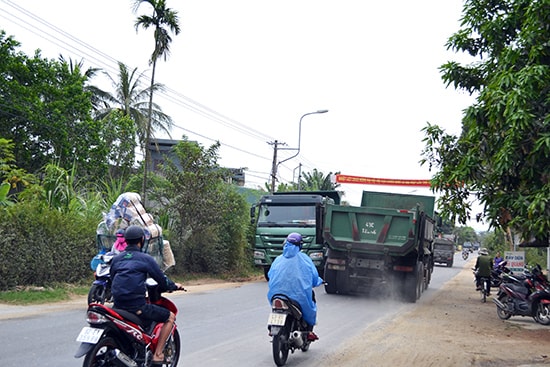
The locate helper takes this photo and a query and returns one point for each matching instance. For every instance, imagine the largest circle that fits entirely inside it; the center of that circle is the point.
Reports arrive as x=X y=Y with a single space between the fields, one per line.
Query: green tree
x=164 y=20
x=502 y=156
x=128 y=103
x=316 y=180
x=45 y=112
x=209 y=216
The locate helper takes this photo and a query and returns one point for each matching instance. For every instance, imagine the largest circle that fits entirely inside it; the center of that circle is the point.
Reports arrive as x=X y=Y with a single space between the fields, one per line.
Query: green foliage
x=46 y=113
x=316 y=181
x=465 y=234
x=209 y=232
x=502 y=156
x=40 y=246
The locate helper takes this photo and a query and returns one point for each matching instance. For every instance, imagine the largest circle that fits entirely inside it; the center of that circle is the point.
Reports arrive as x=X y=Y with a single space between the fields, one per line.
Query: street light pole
x=275 y=166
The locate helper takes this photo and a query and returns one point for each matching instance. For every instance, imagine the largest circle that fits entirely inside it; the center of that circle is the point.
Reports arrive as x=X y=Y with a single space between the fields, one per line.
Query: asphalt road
x=221 y=327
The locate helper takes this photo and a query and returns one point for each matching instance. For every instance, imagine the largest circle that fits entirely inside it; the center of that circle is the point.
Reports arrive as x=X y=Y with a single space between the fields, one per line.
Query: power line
x=171 y=95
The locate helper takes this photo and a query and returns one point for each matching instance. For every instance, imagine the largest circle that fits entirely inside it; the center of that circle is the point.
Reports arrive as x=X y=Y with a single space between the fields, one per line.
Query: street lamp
x=274 y=171
x=300 y=135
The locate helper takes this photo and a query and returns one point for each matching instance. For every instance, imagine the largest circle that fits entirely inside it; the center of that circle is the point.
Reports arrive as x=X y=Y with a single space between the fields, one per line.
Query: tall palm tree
x=134 y=102
x=163 y=20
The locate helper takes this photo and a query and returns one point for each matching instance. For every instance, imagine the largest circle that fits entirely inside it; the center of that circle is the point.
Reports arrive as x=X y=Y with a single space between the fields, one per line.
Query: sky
x=244 y=72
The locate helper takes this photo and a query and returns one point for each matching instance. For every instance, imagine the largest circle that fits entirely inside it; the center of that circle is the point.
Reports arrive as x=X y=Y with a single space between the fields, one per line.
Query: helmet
x=134 y=233
x=295 y=239
x=483 y=251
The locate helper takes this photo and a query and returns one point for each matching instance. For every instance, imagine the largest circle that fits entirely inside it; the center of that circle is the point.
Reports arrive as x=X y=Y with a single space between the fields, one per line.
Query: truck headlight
x=316 y=256
x=259 y=255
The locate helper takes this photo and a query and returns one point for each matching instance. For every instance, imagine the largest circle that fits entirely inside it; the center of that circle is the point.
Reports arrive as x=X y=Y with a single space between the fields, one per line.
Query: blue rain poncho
x=294 y=275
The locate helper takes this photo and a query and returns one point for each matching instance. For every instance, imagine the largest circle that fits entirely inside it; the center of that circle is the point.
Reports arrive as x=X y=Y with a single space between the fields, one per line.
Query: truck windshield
x=288 y=216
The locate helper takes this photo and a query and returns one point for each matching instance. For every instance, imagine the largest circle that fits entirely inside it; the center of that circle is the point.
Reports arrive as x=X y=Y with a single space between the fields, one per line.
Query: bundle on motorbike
x=525 y=294
x=287 y=328
x=117 y=337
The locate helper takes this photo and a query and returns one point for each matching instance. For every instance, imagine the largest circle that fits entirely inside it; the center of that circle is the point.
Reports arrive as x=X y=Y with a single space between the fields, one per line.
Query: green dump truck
x=385 y=244
x=280 y=214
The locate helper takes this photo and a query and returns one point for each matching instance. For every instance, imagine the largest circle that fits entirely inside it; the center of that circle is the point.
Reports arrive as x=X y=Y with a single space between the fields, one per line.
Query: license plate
x=89 y=335
x=277 y=319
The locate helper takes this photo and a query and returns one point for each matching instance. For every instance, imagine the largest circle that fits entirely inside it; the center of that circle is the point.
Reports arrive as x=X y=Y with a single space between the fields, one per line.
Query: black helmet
x=295 y=239
x=134 y=233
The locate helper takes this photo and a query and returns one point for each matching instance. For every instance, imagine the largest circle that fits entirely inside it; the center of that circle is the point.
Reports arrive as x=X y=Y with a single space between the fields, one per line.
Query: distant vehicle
x=444 y=251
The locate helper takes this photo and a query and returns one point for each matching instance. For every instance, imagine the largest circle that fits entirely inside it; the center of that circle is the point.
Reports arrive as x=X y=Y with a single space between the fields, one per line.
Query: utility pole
x=274 y=164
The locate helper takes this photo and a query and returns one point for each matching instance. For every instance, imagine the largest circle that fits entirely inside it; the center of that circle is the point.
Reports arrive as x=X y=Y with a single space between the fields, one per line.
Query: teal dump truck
x=280 y=214
x=385 y=244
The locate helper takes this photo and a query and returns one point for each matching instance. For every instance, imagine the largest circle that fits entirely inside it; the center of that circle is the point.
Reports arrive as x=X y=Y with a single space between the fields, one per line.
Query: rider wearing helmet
x=483 y=267
x=129 y=271
x=294 y=275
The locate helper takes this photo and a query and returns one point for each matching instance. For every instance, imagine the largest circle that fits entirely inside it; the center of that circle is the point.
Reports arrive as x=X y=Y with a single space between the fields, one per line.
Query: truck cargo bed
x=376 y=230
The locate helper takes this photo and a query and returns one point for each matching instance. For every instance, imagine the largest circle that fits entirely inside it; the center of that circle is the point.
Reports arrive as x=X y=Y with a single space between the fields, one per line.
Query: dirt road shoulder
x=452 y=328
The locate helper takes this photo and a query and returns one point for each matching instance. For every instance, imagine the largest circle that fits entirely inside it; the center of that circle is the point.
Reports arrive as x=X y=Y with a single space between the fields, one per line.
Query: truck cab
x=280 y=214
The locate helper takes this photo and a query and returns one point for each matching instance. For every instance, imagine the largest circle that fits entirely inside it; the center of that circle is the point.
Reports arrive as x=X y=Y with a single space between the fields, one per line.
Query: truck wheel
x=266 y=270
x=342 y=282
x=413 y=284
x=330 y=281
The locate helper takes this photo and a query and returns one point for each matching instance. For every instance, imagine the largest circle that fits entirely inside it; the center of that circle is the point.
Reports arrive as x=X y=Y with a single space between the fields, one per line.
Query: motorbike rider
x=129 y=271
x=483 y=267
x=294 y=275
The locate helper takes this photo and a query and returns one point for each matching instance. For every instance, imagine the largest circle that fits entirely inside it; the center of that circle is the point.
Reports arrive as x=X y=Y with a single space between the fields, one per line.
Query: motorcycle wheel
x=96 y=294
x=280 y=347
x=503 y=315
x=542 y=314
x=172 y=349
x=100 y=354
x=305 y=346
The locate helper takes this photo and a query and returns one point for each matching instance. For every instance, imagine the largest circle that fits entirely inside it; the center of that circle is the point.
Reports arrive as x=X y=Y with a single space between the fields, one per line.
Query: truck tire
x=413 y=284
x=342 y=282
x=266 y=270
x=330 y=281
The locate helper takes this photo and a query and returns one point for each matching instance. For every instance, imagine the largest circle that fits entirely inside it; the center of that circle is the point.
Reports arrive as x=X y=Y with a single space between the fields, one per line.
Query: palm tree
x=316 y=180
x=134 y=102
x=162 y=20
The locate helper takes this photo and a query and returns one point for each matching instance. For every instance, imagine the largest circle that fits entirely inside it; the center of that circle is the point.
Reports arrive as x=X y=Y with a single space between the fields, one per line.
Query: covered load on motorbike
x=128 y=210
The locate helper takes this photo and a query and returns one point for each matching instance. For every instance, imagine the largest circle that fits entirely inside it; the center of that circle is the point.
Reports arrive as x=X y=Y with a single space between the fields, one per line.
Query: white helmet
x=483 y=251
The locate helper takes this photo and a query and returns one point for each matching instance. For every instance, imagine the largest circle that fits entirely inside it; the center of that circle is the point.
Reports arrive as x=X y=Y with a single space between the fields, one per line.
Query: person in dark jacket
x=129 y=271
x=483 y=267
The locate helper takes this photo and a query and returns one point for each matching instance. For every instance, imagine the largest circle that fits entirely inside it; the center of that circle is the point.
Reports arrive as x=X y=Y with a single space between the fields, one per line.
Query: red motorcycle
x=119 y=338
x=524 y=295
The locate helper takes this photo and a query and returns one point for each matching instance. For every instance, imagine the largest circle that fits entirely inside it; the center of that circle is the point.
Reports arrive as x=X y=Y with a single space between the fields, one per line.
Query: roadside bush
x=40 y=246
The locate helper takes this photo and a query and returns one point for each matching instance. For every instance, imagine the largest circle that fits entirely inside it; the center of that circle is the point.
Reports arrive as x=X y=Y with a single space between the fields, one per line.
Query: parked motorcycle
x=497 y=273
x=116 y=337
x=527 y=294
x=100 y=291
x=287 y=327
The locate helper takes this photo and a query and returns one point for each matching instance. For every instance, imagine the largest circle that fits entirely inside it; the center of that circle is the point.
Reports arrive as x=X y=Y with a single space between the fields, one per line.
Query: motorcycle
x=117 y=337
x=465 y=254
x=497 y=273
x=100 y=291
x=524 y=295
x=287 y=327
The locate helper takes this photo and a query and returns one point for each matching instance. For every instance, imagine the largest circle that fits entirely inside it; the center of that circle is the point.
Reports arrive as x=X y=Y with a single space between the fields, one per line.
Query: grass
x=64 y=292
x=39 y=295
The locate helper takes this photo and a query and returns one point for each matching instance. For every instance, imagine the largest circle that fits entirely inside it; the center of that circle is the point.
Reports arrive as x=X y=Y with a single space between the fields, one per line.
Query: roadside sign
x=516 y=260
